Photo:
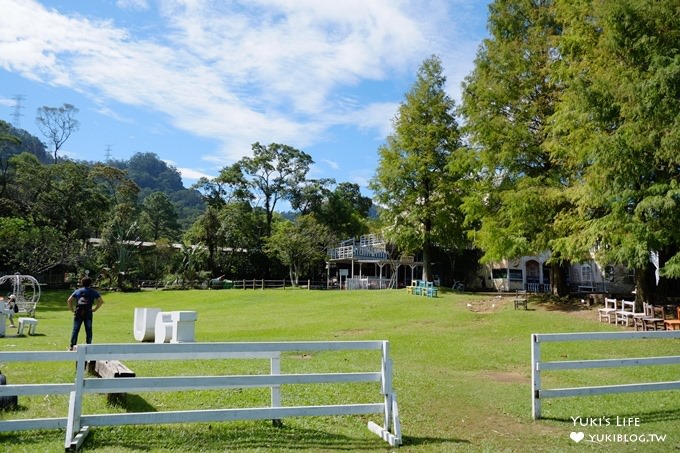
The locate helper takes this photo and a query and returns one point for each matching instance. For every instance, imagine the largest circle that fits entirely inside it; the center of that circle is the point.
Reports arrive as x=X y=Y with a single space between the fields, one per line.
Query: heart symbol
x=577 y=437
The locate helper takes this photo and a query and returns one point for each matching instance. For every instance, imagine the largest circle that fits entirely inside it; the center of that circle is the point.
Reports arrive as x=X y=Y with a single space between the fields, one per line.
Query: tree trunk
x=645 y=285
x=426 y=261
x=558 y=279
x=291 y=274
x=666 y=287
x=452 y=261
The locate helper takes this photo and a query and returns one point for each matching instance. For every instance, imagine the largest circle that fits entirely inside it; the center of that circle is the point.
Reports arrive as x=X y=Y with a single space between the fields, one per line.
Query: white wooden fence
x=537 y=366
x=78 y=424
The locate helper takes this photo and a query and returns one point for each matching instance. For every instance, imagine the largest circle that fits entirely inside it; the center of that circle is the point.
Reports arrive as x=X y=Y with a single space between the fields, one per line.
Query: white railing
x=78 y=424
x=344 y=252
x=367 y=283
x=537 y=366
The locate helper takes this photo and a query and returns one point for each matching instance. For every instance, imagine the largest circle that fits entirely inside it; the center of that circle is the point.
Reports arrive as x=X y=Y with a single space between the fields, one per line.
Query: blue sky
x=198 y=81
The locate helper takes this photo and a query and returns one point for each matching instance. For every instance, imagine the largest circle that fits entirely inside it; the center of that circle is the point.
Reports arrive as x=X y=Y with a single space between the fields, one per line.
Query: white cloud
x=139 y=5
x=237 y=72
x=330 y=163
x=189 y=173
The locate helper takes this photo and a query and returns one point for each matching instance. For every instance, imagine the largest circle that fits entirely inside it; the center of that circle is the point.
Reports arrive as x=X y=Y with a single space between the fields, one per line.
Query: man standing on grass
x=82 y=304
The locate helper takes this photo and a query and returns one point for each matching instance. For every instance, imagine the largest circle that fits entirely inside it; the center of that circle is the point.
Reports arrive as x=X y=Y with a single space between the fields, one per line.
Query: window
x=586 y=273
x=499 y=273
x=516 y=275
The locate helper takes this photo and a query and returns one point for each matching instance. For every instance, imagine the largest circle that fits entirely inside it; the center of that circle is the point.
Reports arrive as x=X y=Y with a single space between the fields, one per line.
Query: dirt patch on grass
x=489 y=305
x=572 y=307
x=352 y=332
x=508 y=377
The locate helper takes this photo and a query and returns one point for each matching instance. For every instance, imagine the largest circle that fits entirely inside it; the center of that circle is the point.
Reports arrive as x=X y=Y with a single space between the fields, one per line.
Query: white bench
x=30 y=322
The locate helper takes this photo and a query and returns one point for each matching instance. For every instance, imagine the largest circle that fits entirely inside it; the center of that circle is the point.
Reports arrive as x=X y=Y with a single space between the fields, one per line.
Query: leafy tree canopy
x=413 y=185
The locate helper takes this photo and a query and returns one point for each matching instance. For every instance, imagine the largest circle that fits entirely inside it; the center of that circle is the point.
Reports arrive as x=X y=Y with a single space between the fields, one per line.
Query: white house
x=533 y=274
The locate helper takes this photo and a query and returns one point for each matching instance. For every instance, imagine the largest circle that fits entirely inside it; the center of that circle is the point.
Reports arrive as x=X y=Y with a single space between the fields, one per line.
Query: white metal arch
x=26 y=289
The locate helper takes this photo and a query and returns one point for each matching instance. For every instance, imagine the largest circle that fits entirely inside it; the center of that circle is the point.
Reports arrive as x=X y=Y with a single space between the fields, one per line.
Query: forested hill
x=152 y=174
x=26 y=143
x=147 y=170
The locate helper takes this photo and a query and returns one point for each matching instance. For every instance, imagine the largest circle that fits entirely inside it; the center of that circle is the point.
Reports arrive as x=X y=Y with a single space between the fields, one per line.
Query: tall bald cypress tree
x=508 y=100
x=418 y=195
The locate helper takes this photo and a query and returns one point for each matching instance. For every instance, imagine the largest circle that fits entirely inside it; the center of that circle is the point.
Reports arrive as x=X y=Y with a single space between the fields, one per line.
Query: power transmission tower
x=16 y=114
x=107 y=155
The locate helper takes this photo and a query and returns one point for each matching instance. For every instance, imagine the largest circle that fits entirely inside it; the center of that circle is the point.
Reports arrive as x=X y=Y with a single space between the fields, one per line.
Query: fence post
x=535 y=377
x=387 y=384
x=75 y=406
x=275 y=368
x=309 y=285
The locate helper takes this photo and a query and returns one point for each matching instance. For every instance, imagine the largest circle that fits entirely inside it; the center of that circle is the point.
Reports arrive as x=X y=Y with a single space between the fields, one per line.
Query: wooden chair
x=430 y=290
x=421 y=288
x=521 y=299
x=608 y=313
x=415 y=288
x=639 y=317
x=410 y=288
x=672 y=324
x=625 y=314
x=650 y=321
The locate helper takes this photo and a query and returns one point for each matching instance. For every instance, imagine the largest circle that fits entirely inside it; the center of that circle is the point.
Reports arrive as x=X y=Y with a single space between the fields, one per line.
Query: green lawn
x=461 y=374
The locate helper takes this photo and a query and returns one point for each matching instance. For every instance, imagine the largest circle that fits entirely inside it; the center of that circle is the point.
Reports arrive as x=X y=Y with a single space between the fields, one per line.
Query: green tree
x=344 y=210
x=122 y=193
x=275 y=172
x=120 y=249
x=57 y=124
x=27 y=179
x=226 y=219
x=619 y=126
x=310 y=195
x=417 y=194
x=28 y=249
x=6 y=140
x=121 y=237
x=63 y=195
x=191 y=264
x=301 y=245
x=159 y=217
x=508 y=101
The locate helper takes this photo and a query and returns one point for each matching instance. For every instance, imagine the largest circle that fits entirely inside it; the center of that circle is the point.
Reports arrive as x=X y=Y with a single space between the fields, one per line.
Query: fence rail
x=254 y=283
x=78 y=424
x=537 y=366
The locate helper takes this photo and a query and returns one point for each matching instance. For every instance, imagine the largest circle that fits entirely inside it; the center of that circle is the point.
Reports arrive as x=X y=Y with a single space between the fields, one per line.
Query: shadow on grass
x=23 y=335
x=28 y=440
x=416 y=441
x=130 y=402
x=241 y=436
x=552 y=305
x=226 y=437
